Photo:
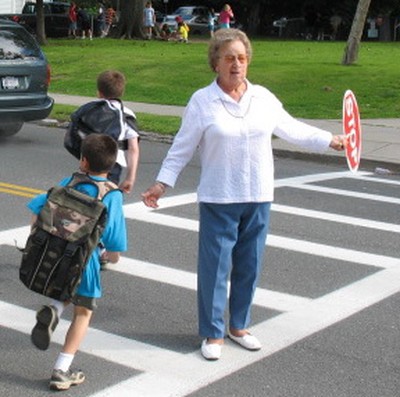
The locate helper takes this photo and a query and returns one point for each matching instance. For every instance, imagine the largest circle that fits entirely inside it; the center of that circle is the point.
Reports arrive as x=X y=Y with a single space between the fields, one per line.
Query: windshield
x=184 y=12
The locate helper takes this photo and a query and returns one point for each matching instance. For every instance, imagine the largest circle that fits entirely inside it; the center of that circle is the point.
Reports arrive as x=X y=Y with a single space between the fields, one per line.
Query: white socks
x=59 y=306
x=64 y=361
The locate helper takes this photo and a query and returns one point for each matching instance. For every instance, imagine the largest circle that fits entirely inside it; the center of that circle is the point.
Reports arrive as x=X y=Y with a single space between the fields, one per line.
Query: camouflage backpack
x=67 y=231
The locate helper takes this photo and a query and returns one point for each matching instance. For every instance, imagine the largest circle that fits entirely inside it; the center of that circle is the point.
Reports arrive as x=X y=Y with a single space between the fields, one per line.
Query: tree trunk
x=131 y=19
x=40 y=23
x=357 y=28
x=254 y=19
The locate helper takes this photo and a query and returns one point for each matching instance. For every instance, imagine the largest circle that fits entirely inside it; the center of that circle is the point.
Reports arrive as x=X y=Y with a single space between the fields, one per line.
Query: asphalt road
x=326 y=309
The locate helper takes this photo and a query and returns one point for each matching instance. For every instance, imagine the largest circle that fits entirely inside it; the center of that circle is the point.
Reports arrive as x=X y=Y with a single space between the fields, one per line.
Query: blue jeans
x=231 y=242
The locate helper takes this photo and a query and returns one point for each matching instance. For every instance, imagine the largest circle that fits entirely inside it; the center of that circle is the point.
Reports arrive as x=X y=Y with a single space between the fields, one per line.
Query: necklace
x=235 y=115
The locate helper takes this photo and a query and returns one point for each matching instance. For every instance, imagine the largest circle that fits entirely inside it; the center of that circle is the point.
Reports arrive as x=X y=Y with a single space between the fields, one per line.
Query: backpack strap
x=103 y=187
x=63 y=270
x=130 y=120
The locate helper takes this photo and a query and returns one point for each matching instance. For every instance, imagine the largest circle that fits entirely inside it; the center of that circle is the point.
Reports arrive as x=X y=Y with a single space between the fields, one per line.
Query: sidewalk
x=380 y=137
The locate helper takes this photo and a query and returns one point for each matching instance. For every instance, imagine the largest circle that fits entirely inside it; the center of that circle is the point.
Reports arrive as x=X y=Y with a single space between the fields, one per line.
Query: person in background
x=110 y=15
x=211 y=21
x=231 y=123
x=84 y=23
x=183 y=32
x=73 y=17
x=111 y=88
x=101 y=20
x=225 y=16
x=166 y=32
x=335 y=20
x=149 y=20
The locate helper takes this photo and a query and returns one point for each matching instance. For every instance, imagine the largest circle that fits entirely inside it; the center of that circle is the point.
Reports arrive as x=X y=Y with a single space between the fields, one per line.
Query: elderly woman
x=231 y=123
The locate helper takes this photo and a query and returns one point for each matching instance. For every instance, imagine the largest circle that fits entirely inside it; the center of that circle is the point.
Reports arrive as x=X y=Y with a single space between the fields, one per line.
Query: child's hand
x=126 y=186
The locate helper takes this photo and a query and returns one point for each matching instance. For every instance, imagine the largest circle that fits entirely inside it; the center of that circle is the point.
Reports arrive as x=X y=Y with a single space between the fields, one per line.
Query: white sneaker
x=211 y=351
x=248 y=341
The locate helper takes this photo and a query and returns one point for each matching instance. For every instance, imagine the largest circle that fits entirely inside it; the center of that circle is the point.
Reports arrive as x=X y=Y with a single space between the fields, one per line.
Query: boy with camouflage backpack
x=98 y=154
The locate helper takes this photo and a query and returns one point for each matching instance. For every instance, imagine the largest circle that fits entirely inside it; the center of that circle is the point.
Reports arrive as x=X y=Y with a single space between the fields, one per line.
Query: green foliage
x=306 y=76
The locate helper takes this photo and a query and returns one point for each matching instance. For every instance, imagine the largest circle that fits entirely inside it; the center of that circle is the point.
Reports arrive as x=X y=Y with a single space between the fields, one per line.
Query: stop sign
x=352 y=130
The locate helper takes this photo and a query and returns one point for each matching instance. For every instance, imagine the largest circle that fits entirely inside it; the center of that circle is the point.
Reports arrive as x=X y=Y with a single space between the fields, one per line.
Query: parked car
x=24 y=79
x=55 y=15
x=188 y=12
x=199 y=25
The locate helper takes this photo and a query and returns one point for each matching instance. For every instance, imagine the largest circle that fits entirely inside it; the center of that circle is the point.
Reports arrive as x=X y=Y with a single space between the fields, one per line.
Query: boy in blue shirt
x=98 y=155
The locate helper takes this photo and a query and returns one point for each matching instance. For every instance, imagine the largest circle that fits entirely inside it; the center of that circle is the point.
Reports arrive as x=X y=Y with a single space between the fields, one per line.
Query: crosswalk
x=164 y=372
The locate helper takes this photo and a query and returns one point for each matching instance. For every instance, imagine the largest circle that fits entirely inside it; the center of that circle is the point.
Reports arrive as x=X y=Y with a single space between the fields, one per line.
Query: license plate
x=10 y=83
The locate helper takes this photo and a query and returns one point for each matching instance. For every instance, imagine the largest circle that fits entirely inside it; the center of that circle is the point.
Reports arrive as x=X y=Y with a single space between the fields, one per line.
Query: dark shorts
x=84 y=301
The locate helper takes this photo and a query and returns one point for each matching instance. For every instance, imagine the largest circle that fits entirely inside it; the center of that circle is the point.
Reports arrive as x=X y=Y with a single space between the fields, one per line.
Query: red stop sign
x=352 y=130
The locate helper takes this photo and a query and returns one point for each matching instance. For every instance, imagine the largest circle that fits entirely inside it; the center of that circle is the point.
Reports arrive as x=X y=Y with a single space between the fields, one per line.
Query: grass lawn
x=306 y=76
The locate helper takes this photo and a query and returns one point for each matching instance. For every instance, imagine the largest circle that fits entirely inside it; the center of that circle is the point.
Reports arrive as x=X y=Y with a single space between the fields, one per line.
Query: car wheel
x=8 y=129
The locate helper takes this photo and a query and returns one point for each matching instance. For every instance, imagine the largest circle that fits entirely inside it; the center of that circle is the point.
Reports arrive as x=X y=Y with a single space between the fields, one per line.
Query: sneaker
x=47 y=321
x=61 y=380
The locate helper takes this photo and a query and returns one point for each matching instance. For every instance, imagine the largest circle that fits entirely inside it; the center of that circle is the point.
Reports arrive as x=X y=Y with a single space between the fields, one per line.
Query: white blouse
x=234 y=142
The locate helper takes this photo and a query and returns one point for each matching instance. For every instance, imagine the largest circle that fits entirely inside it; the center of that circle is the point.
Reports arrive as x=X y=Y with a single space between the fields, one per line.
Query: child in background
x=166 y=32
x=149 y=19
x=110 y=87
x=225 y=17
x=183 y=32
x=211 y=21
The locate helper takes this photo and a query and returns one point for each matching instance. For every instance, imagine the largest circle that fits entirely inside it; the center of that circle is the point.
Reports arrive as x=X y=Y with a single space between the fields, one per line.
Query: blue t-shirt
x=114 y=236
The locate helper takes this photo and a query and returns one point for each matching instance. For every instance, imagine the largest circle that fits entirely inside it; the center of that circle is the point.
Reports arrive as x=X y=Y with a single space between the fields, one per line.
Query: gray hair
x=223 y=36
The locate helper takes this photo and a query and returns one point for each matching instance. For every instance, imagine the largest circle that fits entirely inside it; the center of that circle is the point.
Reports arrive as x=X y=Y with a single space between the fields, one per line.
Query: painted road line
x=307 y=247
x=18 y=190
x=326 y=216
x=114 y=348
x=15 y=236
x=179 y=278
x=386 y=181
x=348 y=193
x=314 y=178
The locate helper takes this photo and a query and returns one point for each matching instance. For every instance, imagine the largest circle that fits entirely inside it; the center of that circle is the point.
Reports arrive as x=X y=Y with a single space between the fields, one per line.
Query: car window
x=59 y=9
x=184 y=12
x=18 y=44
x=199 y=11
x=29 y=9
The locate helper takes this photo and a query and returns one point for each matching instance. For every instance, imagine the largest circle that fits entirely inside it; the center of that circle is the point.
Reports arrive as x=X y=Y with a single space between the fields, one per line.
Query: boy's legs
x=77 y=329
x=62 y=377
